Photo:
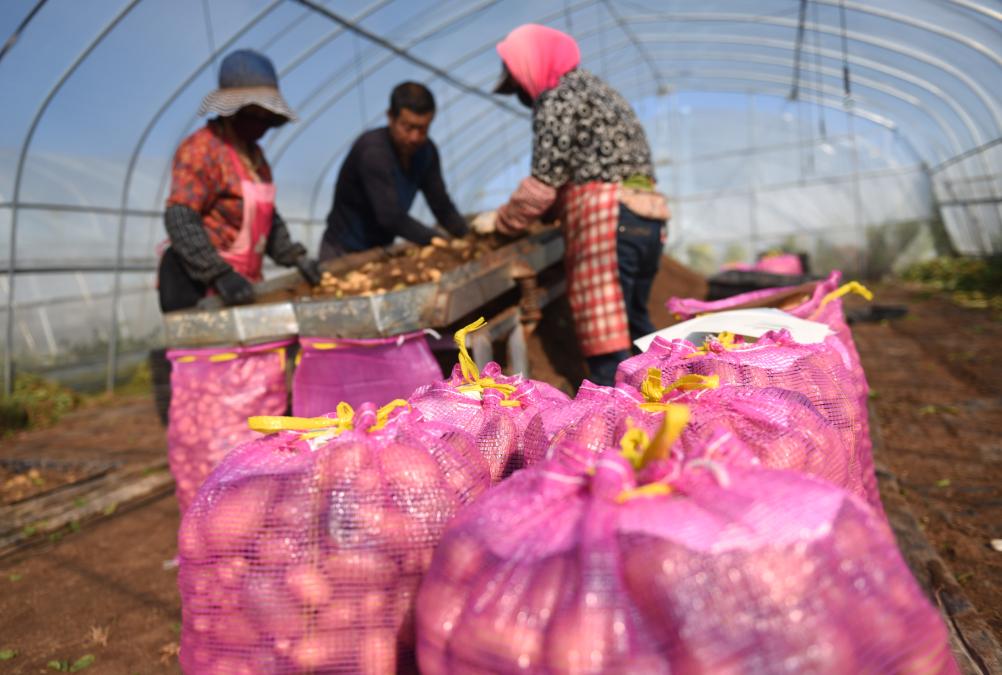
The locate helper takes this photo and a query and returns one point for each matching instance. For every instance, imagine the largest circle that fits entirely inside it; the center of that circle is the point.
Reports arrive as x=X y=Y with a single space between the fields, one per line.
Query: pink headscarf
x=538 y=56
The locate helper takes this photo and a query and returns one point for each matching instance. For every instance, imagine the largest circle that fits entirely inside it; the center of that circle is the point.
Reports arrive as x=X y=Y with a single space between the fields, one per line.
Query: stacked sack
x=304 y=549
x=823 y=304
x=503 y=413
x=775 y=360
x=214 y=391
x=636 y=560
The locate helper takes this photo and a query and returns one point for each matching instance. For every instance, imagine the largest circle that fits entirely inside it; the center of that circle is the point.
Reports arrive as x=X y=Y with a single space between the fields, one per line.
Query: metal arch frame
x=327 y=39
x=719 y=75
x=980 y=9
x=973 y=128
x=301 y=128
x=856 y=36
x=611 y=8
x=8 y=375
x=855 y=6
x=403 y=53
x=326 y=167
x=307 y=100
x=127 y=184
x=829 y=103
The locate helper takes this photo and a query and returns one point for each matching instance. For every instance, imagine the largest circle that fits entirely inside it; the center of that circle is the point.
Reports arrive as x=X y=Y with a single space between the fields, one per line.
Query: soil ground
x=103 y=590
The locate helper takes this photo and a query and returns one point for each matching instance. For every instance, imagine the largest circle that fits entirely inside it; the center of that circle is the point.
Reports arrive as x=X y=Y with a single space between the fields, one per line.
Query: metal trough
x=430 y=305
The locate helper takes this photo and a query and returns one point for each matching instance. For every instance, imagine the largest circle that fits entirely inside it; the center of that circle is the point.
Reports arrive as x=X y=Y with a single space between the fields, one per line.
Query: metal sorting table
x=429 y=305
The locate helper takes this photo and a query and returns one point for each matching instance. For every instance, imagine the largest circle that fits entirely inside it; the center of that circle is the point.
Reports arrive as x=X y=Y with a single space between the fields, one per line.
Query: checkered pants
x=590 y=216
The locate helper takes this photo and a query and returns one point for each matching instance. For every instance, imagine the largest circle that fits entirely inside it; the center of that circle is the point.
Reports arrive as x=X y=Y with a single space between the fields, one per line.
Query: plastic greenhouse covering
x=865 y=132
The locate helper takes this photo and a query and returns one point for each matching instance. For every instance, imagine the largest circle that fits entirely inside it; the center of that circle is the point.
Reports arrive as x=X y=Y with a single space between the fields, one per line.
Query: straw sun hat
x=246 y=78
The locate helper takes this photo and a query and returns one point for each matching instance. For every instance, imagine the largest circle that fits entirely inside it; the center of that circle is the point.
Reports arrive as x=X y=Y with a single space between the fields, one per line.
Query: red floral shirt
x=205 y=180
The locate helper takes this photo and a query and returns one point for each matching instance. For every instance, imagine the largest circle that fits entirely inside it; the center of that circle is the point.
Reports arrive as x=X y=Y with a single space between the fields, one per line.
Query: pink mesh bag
x=784 y=263
x=213 y=392
x=501 y=412
x=571 y=567
x=781 y=428
x=354 y=371
x=304 y=549
x=825 y=306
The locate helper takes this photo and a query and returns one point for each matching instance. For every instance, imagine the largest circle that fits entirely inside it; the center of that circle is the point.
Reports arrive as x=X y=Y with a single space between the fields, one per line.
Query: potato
x=237 y=515
x=378 y=652
x=338 y=649
x=367 y=568
x=342 y=613
x=308 y=585
x=581 y=639
x=190 y=544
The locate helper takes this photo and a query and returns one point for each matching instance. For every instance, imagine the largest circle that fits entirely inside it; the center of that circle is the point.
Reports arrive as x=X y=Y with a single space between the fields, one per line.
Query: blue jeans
x=638 y=249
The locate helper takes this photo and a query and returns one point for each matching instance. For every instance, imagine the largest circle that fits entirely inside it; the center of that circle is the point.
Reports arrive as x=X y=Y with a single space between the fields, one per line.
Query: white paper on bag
x=752 y=323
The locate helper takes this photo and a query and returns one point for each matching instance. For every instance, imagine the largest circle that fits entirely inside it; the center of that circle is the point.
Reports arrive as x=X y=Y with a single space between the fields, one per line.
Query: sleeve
x=438 y=199
x=280 y=246
x=188 y=239
x=194 y=176
x=552 y=136
x=528 y=203
x=380 y=191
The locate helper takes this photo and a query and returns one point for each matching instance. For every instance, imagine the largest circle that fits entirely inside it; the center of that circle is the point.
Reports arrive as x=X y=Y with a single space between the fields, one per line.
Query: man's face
x=409 y=130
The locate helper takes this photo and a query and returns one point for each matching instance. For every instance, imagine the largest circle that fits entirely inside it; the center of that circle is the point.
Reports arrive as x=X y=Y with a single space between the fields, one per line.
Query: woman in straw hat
x=220 y=215
x=591 y=160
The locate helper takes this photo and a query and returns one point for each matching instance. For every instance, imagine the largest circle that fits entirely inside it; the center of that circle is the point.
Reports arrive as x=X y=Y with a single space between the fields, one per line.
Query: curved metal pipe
x=8 y=374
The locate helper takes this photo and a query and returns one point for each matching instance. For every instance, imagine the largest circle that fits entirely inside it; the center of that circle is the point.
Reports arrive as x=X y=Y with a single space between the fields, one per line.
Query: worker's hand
x=485 y=223
x=509 y=230
x=234 y=288
x=310 y=269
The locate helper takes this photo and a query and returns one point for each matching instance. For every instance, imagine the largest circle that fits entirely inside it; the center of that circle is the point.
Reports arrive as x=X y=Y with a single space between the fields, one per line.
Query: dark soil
x=936 y=381
x=938 y=396
x=19 y=482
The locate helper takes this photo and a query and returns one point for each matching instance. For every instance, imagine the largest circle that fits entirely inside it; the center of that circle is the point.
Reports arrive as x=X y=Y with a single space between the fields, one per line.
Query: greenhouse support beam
x=276 y=150
x=966 y=154
x=127 y=186
x=971 y=201
x=407 y=56
x=8 y=373
x=623 y=26
x=987 y=99
x=469 y=56
x=16 y=35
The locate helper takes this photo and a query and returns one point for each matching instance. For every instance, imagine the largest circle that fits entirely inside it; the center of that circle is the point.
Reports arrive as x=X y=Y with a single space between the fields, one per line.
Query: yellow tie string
x=320 y=426
x=471 y=373
x=843 y=290
x=654 y=391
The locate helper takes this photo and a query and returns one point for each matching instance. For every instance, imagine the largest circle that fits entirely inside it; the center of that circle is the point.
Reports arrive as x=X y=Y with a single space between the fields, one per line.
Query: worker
x=381 y=176
x=591 y=163
x=220 y=214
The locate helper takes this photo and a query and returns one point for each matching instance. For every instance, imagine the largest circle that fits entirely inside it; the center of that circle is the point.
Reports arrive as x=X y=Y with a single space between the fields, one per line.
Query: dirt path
x=936 y=379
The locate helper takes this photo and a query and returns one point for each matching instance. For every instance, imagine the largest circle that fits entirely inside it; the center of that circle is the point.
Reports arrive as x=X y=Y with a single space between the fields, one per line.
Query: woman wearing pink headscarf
x=590 y=160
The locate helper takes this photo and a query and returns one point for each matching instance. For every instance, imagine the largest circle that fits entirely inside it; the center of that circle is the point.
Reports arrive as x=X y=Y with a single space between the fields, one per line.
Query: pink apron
x=246 y=252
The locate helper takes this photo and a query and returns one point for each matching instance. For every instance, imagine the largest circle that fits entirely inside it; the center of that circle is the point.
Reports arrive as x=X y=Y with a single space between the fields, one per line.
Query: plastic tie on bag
x=471 y=373
x=640 y=450
x=841 y=291
x=724 y=341
x=326 y=427
x=654 y=390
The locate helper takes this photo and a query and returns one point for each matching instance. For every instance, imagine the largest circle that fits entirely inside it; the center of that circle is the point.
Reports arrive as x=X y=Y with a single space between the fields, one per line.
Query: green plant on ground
x=971 y=282
x=35 y=403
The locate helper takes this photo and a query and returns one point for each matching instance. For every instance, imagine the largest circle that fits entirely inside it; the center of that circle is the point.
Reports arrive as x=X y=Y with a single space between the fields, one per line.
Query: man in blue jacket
x=382 y=174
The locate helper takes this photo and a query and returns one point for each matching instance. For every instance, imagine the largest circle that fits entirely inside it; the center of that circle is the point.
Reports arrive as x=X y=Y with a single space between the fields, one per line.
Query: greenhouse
x=820 y=179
